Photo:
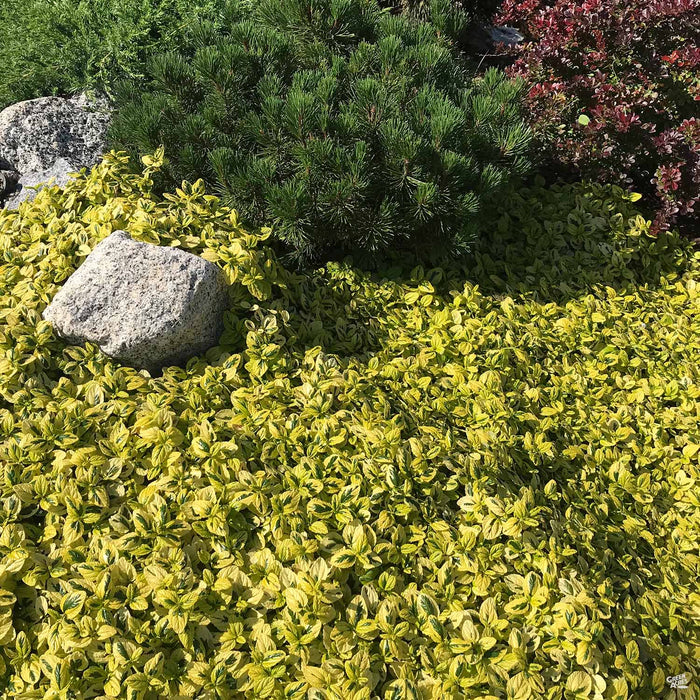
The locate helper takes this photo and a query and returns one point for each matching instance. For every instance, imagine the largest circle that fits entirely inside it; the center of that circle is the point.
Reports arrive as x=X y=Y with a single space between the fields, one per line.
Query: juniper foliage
x=58 y=47
x=344 y=127
x=471 y=10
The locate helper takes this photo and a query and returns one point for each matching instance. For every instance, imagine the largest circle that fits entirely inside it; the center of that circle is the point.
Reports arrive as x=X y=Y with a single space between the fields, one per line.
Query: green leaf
x=72 y=602
x=367 y=629
x=579 y=683
x=518 y=688
x=632 y=651
x=487 y=612
x=427 y=605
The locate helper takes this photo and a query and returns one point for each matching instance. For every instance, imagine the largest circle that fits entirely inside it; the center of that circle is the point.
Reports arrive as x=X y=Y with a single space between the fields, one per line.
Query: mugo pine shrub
x=474 y=483
x=342 y=127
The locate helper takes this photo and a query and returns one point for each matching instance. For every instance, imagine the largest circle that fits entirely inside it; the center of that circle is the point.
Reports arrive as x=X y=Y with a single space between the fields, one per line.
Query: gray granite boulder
x=49 y=137
x=27 y=187
x=8 y=180
x=147 y=306
x=34 y=134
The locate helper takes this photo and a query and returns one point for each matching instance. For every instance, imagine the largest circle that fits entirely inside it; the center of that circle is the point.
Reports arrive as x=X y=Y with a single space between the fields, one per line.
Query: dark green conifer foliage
x=344 y=127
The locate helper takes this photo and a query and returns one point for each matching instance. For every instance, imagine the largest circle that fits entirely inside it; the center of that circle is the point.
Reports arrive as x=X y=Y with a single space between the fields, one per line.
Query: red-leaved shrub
x=615 y=90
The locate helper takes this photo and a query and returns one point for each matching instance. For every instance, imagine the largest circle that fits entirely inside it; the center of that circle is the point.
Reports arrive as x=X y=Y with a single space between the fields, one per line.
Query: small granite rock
x=145 y=305
x=482 y=39
x=504 y=35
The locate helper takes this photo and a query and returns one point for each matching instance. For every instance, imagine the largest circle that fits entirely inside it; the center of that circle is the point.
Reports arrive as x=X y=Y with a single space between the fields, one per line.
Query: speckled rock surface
x=509 y=36
x=36 y=133
x=57 y=174
x=484 y=38
x=147 y=306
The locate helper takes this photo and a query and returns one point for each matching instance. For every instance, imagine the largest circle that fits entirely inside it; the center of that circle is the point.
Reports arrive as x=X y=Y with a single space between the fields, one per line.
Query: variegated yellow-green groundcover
x=409 y=487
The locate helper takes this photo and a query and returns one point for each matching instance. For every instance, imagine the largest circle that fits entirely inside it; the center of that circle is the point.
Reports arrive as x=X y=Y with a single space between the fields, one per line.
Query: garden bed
x=477 y=481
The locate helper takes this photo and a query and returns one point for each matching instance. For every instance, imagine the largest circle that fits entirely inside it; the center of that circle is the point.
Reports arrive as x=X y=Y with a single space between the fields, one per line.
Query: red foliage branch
x=632 y=69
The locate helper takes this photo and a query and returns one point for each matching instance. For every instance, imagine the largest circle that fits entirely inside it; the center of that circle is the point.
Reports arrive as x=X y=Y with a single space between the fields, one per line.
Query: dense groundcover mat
x=471 y=482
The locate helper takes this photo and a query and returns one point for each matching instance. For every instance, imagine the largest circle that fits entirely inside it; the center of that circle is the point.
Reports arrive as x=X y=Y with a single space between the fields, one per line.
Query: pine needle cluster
x=344 y=127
